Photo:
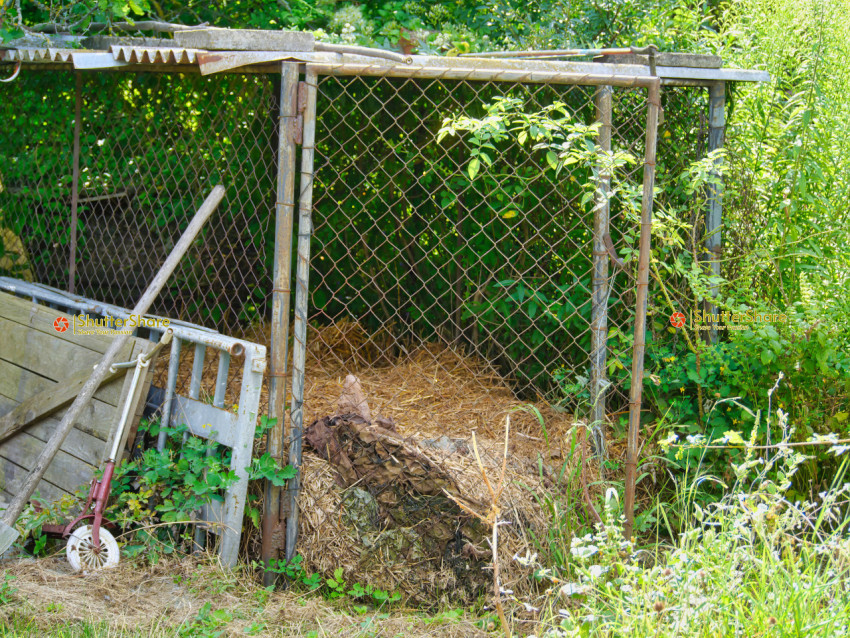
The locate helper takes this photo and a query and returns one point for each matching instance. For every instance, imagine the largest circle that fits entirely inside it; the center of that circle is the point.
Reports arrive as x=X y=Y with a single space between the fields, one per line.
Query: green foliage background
x=787 y=179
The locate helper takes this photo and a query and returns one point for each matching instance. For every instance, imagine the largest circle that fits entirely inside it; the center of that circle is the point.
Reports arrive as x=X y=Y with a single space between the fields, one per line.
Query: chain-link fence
x=151 y=147
x=474 y=242
x=413 y=259
x=465 y=255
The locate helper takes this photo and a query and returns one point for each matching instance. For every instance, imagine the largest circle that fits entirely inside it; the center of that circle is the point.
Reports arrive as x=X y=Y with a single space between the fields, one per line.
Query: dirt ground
x=192 y=597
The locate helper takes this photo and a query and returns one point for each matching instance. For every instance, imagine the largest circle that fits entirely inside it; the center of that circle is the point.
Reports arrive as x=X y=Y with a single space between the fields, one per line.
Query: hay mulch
x=434 y=397
x=162 y=599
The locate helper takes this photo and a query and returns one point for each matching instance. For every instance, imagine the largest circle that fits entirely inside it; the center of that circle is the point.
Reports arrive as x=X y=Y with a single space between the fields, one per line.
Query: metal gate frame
x=298 y=110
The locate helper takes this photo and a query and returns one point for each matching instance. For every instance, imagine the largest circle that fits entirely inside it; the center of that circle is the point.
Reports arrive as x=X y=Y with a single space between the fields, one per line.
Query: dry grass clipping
x=157 y=600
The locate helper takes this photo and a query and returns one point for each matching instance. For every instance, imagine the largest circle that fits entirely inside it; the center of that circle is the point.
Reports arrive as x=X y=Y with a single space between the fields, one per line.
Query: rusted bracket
x=300 y=105
x=609 y=246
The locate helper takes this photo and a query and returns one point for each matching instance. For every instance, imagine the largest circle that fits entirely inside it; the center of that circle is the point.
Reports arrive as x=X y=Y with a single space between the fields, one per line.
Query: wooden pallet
x=42 y=369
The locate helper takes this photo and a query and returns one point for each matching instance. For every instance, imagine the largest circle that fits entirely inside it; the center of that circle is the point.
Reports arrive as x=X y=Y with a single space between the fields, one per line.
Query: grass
x=193 y=597
x=752 y=564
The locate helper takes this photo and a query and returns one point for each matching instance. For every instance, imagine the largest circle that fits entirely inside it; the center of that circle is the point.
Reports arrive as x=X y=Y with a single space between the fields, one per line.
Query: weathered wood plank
x=41 y=371
x=13 y=476
x=65 y=471
x=98 y=416
x=245 y=40
x=41 y=318
x=46 y=402
x=52 y=358
x=17 y=382
x=83 y=445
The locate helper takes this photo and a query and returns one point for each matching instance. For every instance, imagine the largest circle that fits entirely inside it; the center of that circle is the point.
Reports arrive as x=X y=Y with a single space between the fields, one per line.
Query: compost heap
x=387 y=509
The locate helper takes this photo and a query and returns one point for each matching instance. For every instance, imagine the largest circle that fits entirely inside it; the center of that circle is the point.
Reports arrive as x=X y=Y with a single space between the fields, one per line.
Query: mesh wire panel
x=682 y=140
x=35 y=176
x=417 y=261
x=152 y=146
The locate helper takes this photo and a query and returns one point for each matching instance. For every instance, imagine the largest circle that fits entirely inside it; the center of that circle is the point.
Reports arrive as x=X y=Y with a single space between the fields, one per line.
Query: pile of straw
x=436 y=396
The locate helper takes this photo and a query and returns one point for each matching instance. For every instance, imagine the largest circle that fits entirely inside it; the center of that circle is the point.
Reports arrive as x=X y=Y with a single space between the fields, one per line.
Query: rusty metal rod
x=299 y=354
x=556 y=53
x=639 y=347
x=281 y=296
x=473 y=72
x=75 y=183
x=355 y=50
x=714 y=214
x=600 y=288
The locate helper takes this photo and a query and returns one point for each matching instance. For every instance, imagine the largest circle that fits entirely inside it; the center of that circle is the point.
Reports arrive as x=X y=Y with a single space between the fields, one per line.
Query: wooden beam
x=47 y=401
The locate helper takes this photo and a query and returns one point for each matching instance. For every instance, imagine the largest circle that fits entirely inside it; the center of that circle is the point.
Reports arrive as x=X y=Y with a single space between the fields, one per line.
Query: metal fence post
x=599 y=309
x=272 y=538
x=713 y=218
x=75 y=182
x=636 y=390
x=299 y=353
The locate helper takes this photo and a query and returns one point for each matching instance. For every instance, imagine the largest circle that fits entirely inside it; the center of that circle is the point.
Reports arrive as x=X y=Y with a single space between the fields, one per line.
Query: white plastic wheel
x=83 y=555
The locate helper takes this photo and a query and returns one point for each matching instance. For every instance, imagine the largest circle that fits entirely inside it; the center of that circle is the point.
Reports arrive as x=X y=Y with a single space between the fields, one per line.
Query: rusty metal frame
x=281 y=295
x=639 y=346
x=714 y=214
x=302 y=274
x=653 y=88
x=600 y=285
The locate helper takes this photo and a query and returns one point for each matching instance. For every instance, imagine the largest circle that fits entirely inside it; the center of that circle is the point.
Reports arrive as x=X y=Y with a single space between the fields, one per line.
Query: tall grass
x=753 y=564
x=788 y=200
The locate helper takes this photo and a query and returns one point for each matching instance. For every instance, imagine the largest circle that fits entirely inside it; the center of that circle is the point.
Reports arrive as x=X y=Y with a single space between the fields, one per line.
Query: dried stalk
x=591 y=511
x=492 y=518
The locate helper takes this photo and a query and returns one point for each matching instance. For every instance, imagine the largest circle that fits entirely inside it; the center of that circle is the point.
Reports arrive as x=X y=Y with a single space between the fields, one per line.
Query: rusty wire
x=410 y=257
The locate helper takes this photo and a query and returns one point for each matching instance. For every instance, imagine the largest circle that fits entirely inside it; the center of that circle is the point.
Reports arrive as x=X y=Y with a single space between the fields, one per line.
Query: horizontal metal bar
x=555 y=53
x=181 y=330
x=486 y=74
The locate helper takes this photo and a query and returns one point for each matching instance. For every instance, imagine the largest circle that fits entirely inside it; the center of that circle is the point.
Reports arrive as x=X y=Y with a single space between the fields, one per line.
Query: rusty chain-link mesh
x=152 y=146
x=484 y=278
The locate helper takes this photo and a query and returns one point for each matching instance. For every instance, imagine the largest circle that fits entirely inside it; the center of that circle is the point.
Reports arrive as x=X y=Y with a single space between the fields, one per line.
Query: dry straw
x=437 y=397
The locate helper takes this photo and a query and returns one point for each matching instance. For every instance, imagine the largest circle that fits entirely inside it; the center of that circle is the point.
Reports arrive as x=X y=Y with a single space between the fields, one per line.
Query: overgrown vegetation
x=159 y=494
x=743 y=529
